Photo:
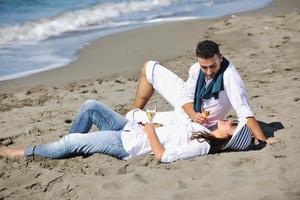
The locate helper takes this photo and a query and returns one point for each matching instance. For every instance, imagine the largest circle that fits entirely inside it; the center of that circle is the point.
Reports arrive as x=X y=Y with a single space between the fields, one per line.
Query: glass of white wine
x=151 y=111
x=205 y=112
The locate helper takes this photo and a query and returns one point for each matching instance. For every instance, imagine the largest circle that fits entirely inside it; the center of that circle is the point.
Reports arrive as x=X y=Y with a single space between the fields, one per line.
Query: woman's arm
x=155 y=144
x=185 y=151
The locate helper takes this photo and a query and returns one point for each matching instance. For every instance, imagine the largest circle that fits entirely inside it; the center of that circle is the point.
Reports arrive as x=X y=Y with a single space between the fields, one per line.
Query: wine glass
x=205 y=112
x=150 y=111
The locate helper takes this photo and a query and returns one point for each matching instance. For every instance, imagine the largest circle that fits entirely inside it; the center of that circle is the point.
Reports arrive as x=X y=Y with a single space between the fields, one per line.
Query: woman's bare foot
x=9 y=152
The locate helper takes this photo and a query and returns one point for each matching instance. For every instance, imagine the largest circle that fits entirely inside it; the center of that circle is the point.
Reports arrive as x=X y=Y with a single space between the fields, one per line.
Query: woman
x=124 y=139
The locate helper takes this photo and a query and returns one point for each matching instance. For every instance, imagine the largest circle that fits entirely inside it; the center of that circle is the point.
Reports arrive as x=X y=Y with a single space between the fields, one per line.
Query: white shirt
x=174 y=138
x=234 y=95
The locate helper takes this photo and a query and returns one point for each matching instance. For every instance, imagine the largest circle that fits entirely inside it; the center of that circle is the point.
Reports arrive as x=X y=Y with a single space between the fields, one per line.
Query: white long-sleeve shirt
x=233 y=96
x=174 y=138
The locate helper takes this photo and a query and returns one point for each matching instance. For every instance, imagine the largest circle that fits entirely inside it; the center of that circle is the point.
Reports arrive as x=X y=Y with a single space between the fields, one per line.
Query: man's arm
x=238 y=97
x=253 y=125
x=156 y=146
x=188 y=93
x=195 y=116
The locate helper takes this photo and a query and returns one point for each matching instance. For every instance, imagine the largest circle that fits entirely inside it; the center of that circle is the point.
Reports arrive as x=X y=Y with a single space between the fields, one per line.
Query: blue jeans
x=80 y=142
x=95 y=112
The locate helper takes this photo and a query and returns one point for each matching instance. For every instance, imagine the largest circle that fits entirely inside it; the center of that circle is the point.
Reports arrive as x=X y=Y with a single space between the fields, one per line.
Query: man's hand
x=199 y=118
x=271 y=141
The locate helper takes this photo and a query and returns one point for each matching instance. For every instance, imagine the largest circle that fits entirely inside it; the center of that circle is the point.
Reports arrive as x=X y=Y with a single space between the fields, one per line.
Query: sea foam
x=103 y=15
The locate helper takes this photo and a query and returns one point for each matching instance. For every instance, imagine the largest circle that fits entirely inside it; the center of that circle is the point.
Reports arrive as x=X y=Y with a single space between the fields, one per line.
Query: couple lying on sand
x=214 y=84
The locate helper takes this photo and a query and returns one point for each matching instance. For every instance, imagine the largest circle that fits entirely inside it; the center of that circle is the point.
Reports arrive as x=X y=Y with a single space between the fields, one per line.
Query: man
x=213 y=85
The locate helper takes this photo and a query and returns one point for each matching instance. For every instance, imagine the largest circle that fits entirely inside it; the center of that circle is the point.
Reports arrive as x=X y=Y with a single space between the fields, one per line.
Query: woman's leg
x=105 y=142
x=95 y=112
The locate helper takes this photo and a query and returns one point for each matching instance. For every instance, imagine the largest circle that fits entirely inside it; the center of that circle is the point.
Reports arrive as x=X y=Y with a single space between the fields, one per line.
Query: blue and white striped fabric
x=241 y=138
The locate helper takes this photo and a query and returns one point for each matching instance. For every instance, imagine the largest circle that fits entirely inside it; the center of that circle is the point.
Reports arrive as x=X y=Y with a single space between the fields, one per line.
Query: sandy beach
x=264 y=45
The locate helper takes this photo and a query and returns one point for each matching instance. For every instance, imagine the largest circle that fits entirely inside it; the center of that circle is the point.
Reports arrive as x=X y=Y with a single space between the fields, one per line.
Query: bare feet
x=9 y=152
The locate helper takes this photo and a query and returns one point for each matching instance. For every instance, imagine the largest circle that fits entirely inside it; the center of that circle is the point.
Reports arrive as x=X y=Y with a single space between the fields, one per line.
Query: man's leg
x=166 y=83
x=144 y=90
x=156 y=77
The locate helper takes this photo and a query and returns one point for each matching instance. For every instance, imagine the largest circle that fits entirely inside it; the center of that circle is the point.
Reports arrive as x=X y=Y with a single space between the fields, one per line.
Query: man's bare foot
x=9 y=152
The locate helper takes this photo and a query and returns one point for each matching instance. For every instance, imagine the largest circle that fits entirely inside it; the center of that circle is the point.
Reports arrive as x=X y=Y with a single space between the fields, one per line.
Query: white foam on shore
x=26 y=48
x=109 y=15
x=98 y=15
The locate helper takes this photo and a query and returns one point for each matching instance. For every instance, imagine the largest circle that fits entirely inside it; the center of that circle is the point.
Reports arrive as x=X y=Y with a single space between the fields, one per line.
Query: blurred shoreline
x=32 y=42
x=126 y=51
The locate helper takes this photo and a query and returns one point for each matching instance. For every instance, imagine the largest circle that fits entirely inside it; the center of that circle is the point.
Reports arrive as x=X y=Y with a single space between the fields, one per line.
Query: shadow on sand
x=269 y=129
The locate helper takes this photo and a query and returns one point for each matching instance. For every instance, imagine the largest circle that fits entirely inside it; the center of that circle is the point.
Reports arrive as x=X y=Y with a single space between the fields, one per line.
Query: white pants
x=169 y=86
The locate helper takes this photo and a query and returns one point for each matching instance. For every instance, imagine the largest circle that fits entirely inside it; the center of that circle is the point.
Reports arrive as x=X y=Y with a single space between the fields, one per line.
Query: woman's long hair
x=216 y=144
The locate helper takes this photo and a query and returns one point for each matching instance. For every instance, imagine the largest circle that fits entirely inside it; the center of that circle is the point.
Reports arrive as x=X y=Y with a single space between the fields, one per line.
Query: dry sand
x=265 y=48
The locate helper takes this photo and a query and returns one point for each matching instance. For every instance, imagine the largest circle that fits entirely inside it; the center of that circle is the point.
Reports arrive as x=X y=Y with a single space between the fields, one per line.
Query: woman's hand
x=156 y=146
x=156 y=125
x=149 y=127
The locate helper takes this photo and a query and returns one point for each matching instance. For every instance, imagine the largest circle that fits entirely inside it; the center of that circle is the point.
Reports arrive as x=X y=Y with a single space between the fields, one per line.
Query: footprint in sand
x=113 y=184
x=123 y=169
x=243 y=162
x=139 y=178
x=34 y=186
x=182 y=185
x=52 y=182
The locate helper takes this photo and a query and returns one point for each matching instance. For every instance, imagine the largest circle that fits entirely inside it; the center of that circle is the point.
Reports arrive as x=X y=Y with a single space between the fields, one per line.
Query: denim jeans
x=95 y=112
x=80 y=142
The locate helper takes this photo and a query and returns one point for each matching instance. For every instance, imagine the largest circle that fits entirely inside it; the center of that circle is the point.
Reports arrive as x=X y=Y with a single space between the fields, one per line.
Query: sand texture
x=264 y=48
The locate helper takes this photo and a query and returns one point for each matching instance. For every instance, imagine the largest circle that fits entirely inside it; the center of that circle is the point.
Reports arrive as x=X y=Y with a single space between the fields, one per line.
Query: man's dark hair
x=207 y=49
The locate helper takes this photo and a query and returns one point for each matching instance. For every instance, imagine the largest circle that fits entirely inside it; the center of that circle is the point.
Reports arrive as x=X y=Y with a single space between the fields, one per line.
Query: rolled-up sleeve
x=237 y=94
x=191 y=150
x=188 y=91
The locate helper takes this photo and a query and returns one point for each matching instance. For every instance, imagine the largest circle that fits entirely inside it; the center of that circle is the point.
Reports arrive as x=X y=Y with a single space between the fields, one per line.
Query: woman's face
x=226 y=127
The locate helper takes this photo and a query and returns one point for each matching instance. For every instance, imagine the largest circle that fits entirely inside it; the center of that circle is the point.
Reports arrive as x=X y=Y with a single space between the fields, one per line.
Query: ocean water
x=39 y=35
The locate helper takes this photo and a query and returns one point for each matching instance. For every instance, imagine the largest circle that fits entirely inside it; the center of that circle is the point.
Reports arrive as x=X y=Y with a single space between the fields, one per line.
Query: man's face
x=210 y=66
